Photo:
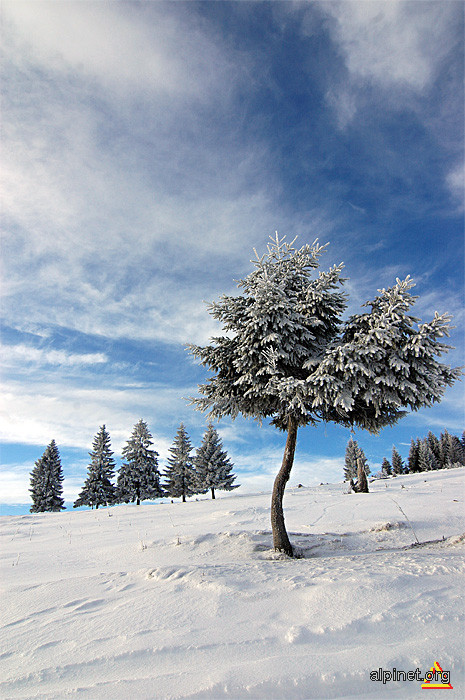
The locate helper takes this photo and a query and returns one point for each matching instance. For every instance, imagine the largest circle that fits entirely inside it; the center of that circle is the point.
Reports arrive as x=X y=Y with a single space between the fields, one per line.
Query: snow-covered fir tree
x=412 y=462
x=212 y=465
x=353 y=453
x=397 y=462
x=426 y=459
x=138 y=476
x=434 y=445
x=285 y=356
x=386 y=469
x=180 y=477
x=98 y=489
x=47 y=482
x=455 y=452
x=450 y=449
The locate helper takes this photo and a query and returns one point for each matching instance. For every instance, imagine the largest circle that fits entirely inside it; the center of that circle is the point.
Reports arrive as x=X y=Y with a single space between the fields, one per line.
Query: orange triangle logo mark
x=431 y=676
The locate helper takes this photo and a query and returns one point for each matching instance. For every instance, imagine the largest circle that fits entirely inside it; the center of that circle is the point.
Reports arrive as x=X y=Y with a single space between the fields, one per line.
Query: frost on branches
x=138 y=476
x=98 y=489
x=288 y=357
x=46 y=482
x=353 y=453
x=180 y=475
x=213 y=468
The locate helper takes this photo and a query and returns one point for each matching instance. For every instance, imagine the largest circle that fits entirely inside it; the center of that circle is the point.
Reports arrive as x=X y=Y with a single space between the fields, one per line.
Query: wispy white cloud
x=16 y=354
x=121 y=45
x=393 y=42
x=14 y=483
x=42 y=411
x=456 y=182
x=117 y=233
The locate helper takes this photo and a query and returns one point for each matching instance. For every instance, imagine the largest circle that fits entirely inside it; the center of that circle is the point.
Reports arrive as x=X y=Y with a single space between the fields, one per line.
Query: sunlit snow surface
x=189 y=600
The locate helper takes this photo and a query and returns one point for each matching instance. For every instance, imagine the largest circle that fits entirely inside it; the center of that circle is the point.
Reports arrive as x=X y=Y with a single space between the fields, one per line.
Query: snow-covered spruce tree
x=354 y=452
x=451 y=449
x=426 y=459
x=412 y=461
x=397 y=462
x=435 y=447
x=213 y=468
x=180 y=477
x=286 y=357
x=456 y=455
x=138 y=476
x=46 y=482
x=386 y=469
x=98 y=489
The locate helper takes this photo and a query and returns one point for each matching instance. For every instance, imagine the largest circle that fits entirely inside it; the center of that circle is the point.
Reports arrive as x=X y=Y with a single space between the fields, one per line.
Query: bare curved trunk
x=281 y=541
x=362 y=482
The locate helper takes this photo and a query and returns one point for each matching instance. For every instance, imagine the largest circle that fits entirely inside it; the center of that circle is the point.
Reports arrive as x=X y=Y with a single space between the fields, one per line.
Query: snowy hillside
x=189 y=601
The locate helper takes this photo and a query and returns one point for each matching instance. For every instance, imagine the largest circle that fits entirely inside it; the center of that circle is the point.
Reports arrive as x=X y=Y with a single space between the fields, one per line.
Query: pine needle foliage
x=180 y=477
x=46 y=482
x=138 y=476
x=98 y=489
x=212 y=465
x=353 y=453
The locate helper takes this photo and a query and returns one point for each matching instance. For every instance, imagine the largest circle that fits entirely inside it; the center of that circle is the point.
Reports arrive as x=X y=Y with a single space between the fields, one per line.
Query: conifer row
x=138 y=477
x=428 y=454
x=425 y=454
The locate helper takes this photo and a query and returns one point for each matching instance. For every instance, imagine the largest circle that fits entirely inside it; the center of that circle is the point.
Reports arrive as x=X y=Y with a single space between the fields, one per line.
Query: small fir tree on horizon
x=46 y=482
x=426 y=458
x=412 y=462
x=397 y=462
x=434 y=445
x=98 y=489
x=386 y=469
x=138 y=476
x=180 y=477
x=212 y=465
x=354 y=452
x=455 y=454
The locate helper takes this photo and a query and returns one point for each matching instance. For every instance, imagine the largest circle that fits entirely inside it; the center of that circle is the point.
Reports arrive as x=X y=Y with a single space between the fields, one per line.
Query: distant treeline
x=138 y=478
x=426 y=454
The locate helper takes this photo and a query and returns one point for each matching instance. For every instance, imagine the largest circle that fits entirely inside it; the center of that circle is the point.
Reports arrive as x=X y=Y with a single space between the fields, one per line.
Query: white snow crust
x=190 y=601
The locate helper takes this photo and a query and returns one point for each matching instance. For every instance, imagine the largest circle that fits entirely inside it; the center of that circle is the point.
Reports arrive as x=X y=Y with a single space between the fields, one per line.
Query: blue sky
x=149 y=146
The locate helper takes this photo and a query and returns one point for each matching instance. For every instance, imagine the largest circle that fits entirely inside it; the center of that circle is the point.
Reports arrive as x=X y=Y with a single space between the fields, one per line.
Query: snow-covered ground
x=189 y=600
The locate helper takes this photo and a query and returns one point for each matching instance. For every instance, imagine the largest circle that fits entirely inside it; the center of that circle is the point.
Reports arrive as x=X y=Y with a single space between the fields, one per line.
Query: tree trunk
x=362 y=483
x=183 y=497
x=281 y=541
x=213 y=492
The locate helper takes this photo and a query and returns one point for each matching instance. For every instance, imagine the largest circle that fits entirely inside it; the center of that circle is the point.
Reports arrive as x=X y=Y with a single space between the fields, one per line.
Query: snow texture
x=190 y=601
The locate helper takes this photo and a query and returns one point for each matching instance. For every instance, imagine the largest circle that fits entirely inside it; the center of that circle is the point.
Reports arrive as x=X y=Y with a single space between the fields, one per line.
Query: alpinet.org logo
x=437 y=679
x=434 y=679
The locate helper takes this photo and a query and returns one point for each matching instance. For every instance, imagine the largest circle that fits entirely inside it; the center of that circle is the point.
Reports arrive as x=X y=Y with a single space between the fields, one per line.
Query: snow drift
x=190 y=601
